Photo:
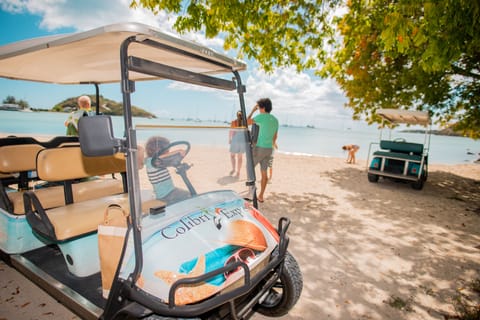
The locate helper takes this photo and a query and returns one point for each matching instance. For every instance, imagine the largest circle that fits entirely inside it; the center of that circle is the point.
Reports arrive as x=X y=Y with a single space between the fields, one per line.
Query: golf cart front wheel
x=418 y=185
x=372 y=177
x=285 y=293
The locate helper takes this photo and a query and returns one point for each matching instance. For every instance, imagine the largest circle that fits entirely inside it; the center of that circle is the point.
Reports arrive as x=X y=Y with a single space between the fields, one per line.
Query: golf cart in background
x=397 y=158
x=86 y=225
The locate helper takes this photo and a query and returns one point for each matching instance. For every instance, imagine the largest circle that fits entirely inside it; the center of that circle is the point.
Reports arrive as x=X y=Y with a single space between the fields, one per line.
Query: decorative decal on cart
x=200 y=242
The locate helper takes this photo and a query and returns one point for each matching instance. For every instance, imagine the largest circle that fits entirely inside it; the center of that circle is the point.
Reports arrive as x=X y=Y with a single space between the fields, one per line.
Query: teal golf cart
x=394 y=157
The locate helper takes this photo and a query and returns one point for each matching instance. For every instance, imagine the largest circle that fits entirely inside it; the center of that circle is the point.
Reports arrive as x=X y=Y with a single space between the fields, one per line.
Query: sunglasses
x=245 y=255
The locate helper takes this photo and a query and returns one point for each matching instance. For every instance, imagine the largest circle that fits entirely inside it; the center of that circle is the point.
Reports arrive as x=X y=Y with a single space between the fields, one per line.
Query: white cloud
x=89 y=14
x=298 y=96
x=84 y=15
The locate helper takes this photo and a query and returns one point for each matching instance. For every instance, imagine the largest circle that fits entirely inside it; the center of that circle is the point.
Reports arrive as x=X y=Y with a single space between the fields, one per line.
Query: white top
x=405 y=116
x=94 y=56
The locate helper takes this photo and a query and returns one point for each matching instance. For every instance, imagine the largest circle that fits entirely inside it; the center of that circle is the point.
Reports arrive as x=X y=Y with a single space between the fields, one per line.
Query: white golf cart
x=396 y=158
x=85 y=218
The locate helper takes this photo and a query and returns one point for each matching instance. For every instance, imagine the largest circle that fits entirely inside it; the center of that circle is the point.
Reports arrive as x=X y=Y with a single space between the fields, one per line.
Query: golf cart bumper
x=236 y=301
x=393 y=166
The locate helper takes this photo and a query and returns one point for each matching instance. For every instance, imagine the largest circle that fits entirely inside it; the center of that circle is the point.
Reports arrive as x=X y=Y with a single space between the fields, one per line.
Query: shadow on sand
x=382 y=241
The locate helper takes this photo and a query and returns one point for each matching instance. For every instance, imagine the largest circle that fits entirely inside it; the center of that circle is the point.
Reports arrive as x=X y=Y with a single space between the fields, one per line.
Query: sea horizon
x=296 y=140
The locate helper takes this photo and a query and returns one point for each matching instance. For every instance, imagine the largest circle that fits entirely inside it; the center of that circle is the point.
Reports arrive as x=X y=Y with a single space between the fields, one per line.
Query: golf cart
x=396 y=158
x=84 y=217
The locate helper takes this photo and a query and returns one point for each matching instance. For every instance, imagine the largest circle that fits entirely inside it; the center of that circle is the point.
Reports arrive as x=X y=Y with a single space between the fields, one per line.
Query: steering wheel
x=171 y=158
x=399 y=140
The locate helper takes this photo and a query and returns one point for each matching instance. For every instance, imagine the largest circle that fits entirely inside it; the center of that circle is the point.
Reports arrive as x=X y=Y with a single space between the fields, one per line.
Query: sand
x=361 y=245
x=366 y=250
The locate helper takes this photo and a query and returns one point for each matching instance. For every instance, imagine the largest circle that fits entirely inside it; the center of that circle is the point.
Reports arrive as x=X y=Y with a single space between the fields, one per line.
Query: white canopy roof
x=94 y=56
x=405 y=116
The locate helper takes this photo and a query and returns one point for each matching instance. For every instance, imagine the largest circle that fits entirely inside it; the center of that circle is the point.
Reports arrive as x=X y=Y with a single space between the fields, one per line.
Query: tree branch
x=466 y=73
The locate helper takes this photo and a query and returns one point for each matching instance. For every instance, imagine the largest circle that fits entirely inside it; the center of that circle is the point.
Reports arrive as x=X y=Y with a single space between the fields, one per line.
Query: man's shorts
x=262 y=156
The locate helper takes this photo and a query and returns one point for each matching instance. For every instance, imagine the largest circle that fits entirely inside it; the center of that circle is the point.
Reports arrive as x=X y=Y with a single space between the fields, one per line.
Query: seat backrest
x=18 y=158
x=17 y=165
x=68 y=163
x=19 y=154
x=402 y=147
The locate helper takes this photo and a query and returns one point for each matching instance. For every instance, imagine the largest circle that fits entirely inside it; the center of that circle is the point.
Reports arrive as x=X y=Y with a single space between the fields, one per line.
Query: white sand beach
x=361 y=246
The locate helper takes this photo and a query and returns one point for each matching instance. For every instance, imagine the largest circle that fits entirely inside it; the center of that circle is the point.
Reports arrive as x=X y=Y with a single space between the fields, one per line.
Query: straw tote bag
x=111 y=235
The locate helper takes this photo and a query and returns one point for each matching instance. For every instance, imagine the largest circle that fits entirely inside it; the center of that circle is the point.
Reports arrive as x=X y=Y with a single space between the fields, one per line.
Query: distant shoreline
x=443 y=132
x=322 y=141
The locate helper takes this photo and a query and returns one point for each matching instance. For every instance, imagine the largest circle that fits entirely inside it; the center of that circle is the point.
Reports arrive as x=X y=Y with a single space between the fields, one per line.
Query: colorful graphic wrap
x=224 y=230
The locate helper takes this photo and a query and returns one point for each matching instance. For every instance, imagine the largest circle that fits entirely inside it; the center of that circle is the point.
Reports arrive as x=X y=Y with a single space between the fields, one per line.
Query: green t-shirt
x=268 y=127
x=72 y=121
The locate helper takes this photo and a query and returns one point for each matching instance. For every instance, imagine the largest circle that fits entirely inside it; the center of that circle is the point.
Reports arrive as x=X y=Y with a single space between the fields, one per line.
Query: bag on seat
x=111 y=235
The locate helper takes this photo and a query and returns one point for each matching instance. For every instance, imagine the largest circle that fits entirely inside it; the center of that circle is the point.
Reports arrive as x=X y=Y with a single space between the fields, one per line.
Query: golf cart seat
x=73 y=226
x=17 y=163
x=77 y=175
x=400 y=150
x=18 y=166
x=82 y=218
x=402 y=147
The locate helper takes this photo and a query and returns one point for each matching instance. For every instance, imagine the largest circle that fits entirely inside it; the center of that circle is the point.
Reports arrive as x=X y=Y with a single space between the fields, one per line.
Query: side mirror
x=96 y=136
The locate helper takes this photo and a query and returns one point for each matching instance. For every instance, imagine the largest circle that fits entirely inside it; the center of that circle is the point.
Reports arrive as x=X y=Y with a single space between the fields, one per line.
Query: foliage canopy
x=406 y=54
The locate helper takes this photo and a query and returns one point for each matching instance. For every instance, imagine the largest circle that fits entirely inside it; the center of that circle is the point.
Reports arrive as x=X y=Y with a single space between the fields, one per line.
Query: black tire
x=373 y=177
x=418 y=185
x=285 y=293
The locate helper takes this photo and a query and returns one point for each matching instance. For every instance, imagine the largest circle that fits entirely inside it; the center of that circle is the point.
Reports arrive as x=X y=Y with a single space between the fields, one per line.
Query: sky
x=298 y=98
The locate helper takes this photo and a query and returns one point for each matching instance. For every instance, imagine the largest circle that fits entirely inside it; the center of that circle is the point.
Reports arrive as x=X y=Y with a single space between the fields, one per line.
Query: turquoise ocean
x=318 y=141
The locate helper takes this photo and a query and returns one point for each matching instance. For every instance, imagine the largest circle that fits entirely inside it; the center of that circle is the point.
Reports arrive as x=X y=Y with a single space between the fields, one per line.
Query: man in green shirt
x=267 y=139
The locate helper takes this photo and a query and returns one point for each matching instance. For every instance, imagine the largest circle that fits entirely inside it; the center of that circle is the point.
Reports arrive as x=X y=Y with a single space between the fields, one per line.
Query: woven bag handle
x=106 y=216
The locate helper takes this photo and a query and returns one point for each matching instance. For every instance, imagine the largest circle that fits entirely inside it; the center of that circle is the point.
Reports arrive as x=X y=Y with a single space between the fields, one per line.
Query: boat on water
x=10 y=107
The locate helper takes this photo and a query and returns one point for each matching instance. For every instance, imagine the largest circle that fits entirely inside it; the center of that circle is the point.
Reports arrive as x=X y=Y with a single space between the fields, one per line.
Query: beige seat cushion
x=49 y=198
x=84 y=217
x=94 y=189
x=53 y=197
